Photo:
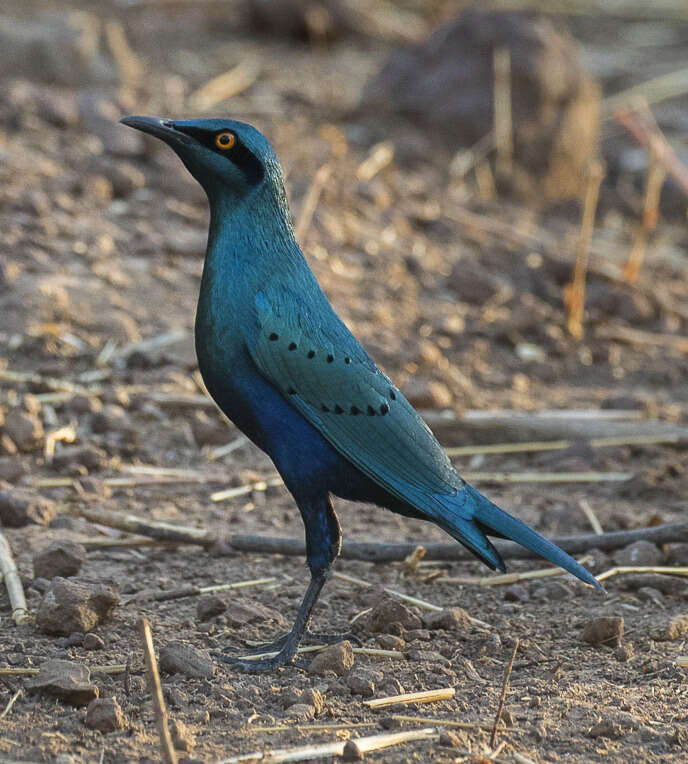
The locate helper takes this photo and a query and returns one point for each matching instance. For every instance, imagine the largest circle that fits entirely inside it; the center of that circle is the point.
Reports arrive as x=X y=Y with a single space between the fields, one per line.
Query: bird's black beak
x=160 y=128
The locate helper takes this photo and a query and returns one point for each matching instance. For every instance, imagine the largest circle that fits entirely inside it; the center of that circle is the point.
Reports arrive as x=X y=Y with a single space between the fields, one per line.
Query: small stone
x=180 y=658
x=641 y=553
x=624 y=653
x=72 y=604
x=25 y=430
x=391 y=611
x=428 y=394
x=418 y=635
x=209 y=430
x=246 y=612
x=391 y=642
x=449 y=619
x=209 y=606
x=290 y=697
x=65 y=680
x=301 y=712
x=314 y=698
x=449 y=739
x=606 y=728
x=650 y=594
x=19 y=508
x=516 y=593
x=428 y=656
x=362 y=682
x=12 y=469
x=105 y=715
x=82 y=404
x=607 y=630
x=337 y=658
x=93 y=642
x=555 y=591
x=79 y=459
x=182 y=737
x=61 y=558
x=666 y=628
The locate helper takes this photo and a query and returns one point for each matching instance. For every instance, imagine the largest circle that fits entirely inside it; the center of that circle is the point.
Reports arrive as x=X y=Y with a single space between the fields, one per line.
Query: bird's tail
x=468 y=516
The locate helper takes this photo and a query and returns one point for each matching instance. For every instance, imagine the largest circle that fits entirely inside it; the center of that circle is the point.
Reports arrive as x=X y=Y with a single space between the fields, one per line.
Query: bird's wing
x=323 y=371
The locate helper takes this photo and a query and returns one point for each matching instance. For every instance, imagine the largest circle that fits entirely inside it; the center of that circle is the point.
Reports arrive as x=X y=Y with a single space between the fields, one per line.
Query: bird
x=284 y=368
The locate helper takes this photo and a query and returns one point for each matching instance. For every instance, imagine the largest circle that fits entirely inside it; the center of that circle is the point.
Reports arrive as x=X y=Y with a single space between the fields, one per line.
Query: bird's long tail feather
x=469 y=516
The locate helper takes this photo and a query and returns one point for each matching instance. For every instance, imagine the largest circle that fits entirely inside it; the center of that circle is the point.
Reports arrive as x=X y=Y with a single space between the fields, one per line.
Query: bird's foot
x=281 y=652
x=309 y=638
x=285 y=647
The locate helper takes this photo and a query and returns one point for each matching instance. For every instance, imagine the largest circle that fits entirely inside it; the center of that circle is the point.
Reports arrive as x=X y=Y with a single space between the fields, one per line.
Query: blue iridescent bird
x=283 y=367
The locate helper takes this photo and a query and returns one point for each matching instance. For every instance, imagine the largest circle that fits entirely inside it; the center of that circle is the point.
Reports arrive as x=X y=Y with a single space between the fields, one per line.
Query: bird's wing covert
x=327 y=376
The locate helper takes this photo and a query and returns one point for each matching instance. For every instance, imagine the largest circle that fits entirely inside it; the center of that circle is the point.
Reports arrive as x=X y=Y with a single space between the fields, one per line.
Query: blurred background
x=493 y=196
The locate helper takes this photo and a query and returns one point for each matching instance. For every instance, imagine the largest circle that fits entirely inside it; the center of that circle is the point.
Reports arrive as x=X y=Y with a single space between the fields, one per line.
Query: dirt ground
x=458 y=298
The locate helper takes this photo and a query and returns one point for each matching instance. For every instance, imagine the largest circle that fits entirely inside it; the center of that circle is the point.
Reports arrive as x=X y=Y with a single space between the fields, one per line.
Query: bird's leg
x=323 y=542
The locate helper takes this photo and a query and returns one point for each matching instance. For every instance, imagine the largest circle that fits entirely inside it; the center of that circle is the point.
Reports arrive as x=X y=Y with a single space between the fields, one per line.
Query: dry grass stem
x=310 y=202
x=162 y=595
x=423 y=604
x=547 y=477
x=466 y=159
x=169 y=755
x=224 y=86
x=10 y=703
x=502 y=697
x=228 y=448
x=411 y=563
x=380 y=155
x=535 y=446
x=374 y=652
x=156 y=530
x=640 y=337
x=129 y=65
x=591 y=516
x=653 y=188
x=659 y=569
x=449 y=723
x=114 y=668
x=424 y=696
x=682 y=661
x=65 y=434
x=311 y=727
x=358 y=747
x=574 y=295
x=242 y=490
x=511 y=578
x=640 y=122
x=503 y=130
x=13 y=584
x=651 y=91
x=150 y=344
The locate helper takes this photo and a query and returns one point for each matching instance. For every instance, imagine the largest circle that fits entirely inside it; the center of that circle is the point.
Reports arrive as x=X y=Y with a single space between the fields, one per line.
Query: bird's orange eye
x=225 y=140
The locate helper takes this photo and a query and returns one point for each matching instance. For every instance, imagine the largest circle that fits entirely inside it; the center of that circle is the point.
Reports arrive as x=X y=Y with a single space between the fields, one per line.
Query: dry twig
x=574 y=295
x=224 y=86
x=424 y=696
x=310 y=202
x=11 y=702
x=169 y=755
x=502 y=697
x=161 y=595
x=10 y=574
x=501 y=67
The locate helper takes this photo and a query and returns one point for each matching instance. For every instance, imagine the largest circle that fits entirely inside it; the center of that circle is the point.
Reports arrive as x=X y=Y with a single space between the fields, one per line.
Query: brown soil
x=463 y=314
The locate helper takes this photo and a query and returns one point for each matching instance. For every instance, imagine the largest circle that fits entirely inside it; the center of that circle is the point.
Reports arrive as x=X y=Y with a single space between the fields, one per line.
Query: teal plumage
x=282 y=365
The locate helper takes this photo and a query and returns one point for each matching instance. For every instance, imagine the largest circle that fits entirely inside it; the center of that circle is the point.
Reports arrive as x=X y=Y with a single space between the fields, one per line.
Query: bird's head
x=228 y=158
